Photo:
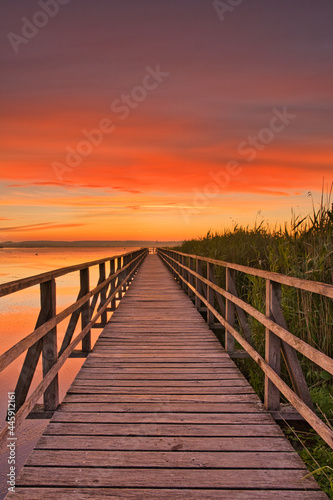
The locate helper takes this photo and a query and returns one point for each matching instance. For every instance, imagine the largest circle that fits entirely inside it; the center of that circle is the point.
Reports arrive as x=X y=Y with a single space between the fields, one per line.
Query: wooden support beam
x=290 y=356
x=241 y=314
x=198 y=283
x=191 y=277
x=49 y=353
x=185 y=273
x=218 y=298
x=38 y=413
x=119 y=279
x=124 y=263
x=71 y=326
x=102 y=277
x=210 y=292
x=112 y=284
x=272 y=347
x=229 y=311
x=241 y=354
x=33 y=353
x=85 y=310
x=78 y=354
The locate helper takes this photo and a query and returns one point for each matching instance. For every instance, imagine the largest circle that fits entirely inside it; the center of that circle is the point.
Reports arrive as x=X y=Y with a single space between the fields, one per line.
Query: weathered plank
x=62 y=429
x=162 y=494
x=160 y=459
x=167 y=478
x=140 y=391
x=165 y=417
x=162 y=406
x=160 y=398
x=149 y=383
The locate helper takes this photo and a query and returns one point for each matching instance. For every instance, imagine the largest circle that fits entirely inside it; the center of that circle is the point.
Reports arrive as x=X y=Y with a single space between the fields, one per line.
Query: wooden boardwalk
x=160 y=411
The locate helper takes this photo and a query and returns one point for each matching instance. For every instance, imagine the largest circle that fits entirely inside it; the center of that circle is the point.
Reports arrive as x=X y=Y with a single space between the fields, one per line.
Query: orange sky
x=197 y=122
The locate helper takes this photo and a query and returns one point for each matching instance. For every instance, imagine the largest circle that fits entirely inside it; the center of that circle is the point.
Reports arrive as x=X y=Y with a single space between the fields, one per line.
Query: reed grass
x=302 y=248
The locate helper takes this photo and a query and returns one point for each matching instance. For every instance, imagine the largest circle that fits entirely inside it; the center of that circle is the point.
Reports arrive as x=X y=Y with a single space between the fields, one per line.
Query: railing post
x=198 y=282
x=173 y=264
x=210 y=293
x=113 y=284
x=125 y=262
x=191 y=277
x=118 y=280
x=33 y=353
x=49 y=351
x=181 y=271
x=176 y=266
x=272 y=346
x=130 y=268
x=229 y=311
x=102 y=277
x=184 y=274
x=85 y=309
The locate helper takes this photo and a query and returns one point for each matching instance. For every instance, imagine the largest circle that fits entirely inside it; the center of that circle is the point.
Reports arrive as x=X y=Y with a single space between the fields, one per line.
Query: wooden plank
x=149 y=384
x=167 y=478
x=161 y=348
x=218 y=371
x=165 y=418
x=153 y=375
x=163 y=406
x=157 y=398
x=153 y=429
x=164 y=367
x=75 y=493
x=160 y=459
x=180 y=390
x=161 y=443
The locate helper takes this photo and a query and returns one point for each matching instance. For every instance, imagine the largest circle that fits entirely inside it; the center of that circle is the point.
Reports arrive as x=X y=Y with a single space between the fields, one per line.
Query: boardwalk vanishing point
x=160 y=411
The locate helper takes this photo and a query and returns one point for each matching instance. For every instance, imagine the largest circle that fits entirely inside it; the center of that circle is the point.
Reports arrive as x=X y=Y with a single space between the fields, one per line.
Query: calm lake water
x=19 y=313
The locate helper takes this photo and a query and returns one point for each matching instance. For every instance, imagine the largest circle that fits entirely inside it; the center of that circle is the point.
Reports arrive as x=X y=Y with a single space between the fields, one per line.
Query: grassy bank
x=302 y=248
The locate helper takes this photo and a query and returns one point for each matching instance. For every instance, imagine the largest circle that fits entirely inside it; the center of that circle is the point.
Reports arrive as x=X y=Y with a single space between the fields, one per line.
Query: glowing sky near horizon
x=163 y=172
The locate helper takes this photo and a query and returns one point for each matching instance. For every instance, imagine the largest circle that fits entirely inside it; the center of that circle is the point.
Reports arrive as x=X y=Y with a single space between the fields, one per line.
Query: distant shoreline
x=86 y=244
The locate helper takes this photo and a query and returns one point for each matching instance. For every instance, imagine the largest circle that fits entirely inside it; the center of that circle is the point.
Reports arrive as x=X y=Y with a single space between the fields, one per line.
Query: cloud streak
x=38 y=227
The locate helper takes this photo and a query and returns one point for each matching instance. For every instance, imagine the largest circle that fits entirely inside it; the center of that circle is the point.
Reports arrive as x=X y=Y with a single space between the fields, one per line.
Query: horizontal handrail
x=21 y=284
x=310 y=352
x=118 y=280
x=202 y=287
x=14 y=352
x=302 y=284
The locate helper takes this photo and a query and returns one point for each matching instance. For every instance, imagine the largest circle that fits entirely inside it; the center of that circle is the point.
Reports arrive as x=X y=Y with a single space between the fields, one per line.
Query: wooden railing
x=43 y=340
x=197 y=276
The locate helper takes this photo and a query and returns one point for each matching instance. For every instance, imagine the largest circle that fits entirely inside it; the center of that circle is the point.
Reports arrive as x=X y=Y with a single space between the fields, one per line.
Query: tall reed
x=302 y=248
